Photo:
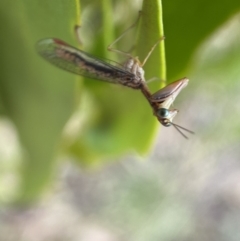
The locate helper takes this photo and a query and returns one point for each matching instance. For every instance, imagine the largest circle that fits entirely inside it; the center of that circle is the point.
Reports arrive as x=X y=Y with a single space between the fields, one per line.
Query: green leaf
x=187 y=24
x=151 y=30
x=124 y=118
x=37 y=97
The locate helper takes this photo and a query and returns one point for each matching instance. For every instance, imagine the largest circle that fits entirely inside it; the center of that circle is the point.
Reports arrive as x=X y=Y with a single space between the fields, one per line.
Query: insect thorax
x=133 y=66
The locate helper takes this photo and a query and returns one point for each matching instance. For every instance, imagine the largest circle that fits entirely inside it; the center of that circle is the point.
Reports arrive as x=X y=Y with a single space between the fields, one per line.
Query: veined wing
x=76 y=61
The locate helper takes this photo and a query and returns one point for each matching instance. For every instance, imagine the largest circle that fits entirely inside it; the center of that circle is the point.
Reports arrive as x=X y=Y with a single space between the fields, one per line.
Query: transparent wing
x=76 y=61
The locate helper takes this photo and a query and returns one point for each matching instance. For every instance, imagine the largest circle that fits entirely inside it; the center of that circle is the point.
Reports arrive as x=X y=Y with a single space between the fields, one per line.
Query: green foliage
x=35 y=96
x=124 y=122
x=187 y=25
x=113 y=120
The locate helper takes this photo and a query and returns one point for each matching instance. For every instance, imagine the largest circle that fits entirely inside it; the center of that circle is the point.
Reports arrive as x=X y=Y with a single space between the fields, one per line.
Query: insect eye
x=162 y=112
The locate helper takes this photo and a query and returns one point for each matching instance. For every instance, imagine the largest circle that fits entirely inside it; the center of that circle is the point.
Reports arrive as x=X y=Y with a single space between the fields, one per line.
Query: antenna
x=178 y=128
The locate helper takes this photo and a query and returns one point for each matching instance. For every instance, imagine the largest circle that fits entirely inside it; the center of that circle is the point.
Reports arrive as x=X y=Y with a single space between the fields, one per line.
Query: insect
x=130 y=74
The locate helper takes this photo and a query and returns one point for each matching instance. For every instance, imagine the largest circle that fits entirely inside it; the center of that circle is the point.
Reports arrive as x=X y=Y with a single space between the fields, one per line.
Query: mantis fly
x=130 y=74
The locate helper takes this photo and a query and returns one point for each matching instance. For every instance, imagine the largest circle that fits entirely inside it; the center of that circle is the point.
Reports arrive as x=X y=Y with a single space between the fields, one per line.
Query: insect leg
x=110 y=48
x=151 y=50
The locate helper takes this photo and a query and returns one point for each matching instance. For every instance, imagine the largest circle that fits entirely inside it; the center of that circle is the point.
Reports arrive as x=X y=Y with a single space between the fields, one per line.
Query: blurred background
x=77 y=162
